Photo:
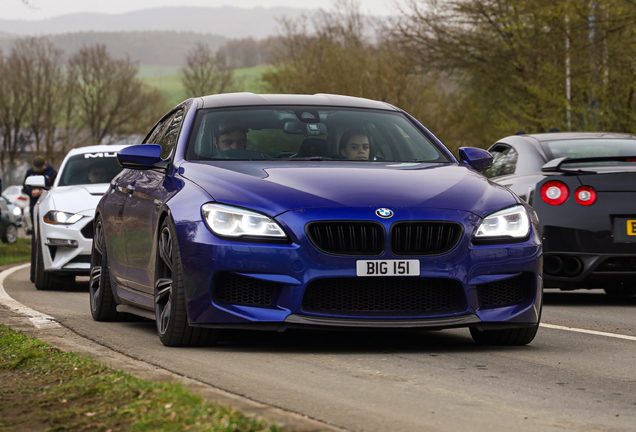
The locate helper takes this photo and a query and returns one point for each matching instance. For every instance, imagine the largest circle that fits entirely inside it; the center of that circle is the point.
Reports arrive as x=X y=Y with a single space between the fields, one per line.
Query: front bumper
x=67 y=259
x=289 y=269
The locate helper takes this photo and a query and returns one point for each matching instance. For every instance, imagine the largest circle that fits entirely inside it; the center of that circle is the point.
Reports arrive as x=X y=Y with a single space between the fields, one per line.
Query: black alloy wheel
x=170 y=303
x=10 y=234
x=33 y=258
x=102 y=301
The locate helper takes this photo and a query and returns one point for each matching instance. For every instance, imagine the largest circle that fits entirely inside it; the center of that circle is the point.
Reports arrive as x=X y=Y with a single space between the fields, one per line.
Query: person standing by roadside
x=39 y=167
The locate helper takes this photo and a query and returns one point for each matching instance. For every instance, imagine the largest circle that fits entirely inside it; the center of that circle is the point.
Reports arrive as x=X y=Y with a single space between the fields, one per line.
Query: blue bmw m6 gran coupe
x=244 y=211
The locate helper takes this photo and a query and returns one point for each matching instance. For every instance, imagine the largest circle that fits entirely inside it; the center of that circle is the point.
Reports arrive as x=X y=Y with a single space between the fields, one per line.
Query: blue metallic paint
x=274 y=187
x=296 y=193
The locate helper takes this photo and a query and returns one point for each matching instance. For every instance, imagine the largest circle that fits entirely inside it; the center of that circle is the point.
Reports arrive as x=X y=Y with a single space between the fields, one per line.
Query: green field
x=168 y=80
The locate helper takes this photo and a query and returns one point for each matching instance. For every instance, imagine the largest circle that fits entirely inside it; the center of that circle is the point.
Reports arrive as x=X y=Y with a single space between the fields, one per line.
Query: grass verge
x=18 y=252
x=42 y=388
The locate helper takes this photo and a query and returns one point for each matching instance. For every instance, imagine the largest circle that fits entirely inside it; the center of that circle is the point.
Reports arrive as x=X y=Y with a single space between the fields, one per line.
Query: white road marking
x=593 y=332
x=38 y=319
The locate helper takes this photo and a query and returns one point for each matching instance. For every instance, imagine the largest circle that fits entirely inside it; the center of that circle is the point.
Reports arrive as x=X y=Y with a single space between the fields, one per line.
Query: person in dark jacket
x=39 y=167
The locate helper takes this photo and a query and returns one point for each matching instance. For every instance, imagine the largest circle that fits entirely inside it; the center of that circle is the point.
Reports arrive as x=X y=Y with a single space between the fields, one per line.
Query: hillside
x=230 y=22
x=166 y=48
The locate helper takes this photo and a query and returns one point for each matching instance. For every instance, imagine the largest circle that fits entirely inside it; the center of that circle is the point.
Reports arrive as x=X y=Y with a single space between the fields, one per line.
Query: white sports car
x=63 y=216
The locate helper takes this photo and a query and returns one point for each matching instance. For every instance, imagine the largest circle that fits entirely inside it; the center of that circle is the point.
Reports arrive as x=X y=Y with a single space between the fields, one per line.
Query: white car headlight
x=512 y=222
x=17 y=211
x=227 y=221
x=55 y=217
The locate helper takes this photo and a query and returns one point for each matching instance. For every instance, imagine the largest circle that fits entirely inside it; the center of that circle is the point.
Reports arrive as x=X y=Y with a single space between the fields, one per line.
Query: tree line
x=474 y=70
x=48 y=106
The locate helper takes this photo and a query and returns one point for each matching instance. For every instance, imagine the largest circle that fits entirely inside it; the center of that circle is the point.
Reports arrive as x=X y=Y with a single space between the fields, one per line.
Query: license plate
x=388 y=268
x=625 y=229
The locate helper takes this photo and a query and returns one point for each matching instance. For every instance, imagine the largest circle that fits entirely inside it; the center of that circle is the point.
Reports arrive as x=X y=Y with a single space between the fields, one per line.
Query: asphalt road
x=398 y=381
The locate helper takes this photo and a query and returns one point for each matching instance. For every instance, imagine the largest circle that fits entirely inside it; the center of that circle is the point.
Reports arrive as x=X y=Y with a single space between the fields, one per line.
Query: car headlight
x=55 y=217
x=505 y=225
x=227 y=221
x=16 y=211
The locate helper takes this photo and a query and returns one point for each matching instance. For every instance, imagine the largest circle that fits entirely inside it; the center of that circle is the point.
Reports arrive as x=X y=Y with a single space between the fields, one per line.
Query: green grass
x=42 y=388
x=18 y=252
x=168 y=80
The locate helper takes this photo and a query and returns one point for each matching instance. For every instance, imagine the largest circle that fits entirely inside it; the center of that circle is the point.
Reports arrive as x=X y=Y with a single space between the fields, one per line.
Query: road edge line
x=592 y=332
x=38 y=319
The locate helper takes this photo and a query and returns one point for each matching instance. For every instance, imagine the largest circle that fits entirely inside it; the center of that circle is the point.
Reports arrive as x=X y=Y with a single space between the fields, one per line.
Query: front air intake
x=508 y=292
x=384 y=296
x=242 y=290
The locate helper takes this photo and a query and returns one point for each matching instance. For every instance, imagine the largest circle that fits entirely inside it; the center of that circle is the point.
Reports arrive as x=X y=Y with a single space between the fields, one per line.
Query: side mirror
x=141 y=157
x=477 y=158
x=36 y=181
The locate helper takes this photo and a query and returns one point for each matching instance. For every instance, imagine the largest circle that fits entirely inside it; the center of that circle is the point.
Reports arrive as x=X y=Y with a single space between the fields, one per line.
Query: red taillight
x=21 y=198
x=585 y=195
x=555 y=192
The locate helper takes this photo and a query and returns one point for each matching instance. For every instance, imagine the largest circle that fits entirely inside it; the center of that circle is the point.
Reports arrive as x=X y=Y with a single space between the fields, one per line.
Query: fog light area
x=61 y=242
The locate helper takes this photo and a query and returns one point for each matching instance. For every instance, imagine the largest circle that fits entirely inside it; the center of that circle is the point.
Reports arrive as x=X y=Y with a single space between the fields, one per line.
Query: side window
x=169 y=139
x=157 y=132
x=504 y=161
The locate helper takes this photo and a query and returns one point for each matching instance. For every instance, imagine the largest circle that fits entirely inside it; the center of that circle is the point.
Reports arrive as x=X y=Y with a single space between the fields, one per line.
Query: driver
x=98 y=174
x=231 y=135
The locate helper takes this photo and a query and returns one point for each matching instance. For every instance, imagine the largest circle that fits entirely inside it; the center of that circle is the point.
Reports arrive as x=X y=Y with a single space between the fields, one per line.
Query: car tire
x=620 y=292
x=514 y=336
x=44 y=281
x=10 y=234
x=170 y=303
x=102 y=302
x=33 y=258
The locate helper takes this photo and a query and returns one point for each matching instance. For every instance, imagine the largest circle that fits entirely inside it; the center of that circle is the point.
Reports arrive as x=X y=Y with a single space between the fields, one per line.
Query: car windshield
x=309 y=133
x=89 y=168
x=587 y=148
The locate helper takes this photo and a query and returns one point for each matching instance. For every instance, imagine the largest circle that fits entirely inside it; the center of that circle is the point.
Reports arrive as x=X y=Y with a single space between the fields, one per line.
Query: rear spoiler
x=555 y=164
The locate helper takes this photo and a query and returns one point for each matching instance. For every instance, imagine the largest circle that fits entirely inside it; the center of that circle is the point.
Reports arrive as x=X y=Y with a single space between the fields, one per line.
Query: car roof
x=555 y=136
x=252 y=99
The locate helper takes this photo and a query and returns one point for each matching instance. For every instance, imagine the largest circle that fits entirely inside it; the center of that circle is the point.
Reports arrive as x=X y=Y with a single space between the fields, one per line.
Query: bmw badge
x=384 y=213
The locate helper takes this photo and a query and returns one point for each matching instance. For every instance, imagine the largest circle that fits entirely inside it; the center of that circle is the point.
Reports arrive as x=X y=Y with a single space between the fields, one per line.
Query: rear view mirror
x=36 y=181
x=477 y=158
x=306 y=129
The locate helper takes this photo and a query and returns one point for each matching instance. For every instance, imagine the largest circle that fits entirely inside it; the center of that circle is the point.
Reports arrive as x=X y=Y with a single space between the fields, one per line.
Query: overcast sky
x=40 y=9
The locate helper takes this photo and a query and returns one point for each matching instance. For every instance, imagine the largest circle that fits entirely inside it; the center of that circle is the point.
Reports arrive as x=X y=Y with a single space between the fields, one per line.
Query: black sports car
x=583 y=187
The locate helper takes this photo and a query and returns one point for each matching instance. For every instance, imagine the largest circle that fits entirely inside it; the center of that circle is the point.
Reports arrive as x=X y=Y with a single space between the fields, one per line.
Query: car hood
x=276 y=187
x=77 y=199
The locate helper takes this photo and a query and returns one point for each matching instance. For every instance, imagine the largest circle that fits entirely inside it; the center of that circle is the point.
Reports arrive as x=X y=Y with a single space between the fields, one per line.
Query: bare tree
x=204 y=73
x=43 y=82
x=110 y=97
x=13 y=111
